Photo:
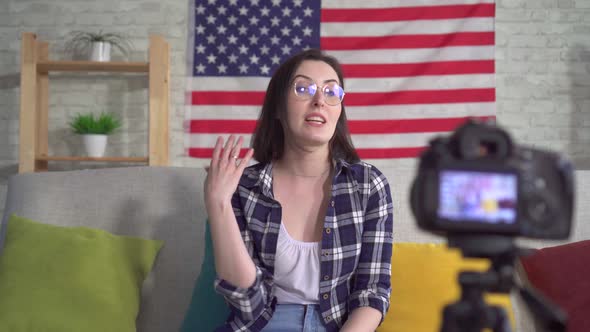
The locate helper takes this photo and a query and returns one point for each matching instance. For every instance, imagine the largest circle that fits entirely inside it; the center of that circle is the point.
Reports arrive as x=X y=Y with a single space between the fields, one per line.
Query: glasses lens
x=305 y=88
x=333 y=93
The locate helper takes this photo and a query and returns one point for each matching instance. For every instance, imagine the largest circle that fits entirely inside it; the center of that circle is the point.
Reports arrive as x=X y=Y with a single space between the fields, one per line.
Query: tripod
x=470 y=313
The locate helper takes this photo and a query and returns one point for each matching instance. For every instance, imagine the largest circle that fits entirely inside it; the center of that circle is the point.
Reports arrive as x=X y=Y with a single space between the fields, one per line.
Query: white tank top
x=297 y=270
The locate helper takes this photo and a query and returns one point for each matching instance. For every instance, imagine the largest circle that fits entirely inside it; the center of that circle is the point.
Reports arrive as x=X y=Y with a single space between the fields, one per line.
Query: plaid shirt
x=355 y=261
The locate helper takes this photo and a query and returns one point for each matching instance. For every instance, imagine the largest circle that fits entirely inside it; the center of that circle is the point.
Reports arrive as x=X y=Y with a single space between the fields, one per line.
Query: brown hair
x=269 y=138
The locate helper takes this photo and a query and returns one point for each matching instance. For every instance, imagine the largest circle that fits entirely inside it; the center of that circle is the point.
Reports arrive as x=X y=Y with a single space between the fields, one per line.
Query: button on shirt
x=355 y=261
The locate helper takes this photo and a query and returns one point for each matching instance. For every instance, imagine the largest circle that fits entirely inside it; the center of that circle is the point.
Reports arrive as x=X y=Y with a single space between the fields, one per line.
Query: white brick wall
x=543 y=72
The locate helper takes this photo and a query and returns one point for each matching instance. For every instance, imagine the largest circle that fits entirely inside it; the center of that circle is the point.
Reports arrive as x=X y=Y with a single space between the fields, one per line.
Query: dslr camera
x=481 y=191
x=476 y=181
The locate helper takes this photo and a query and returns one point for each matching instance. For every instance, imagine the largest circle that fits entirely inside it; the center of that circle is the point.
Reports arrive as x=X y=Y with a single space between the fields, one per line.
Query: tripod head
x=470 y=313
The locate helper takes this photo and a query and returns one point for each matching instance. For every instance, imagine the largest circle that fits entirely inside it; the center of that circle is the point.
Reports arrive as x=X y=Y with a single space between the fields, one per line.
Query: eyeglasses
x=306 y=89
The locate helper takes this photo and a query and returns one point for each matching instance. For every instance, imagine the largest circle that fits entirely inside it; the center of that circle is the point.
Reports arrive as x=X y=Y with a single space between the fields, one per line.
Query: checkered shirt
x=356 y=246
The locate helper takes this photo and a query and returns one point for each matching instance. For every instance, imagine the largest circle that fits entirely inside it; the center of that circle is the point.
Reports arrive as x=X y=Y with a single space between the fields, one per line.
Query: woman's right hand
x=224 y=172
x=232 y=260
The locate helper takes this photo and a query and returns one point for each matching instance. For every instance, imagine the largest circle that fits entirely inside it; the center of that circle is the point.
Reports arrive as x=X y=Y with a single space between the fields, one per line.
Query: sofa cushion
x=424 y=281
x=55 y=278
x=208 y=309
x=562 y=273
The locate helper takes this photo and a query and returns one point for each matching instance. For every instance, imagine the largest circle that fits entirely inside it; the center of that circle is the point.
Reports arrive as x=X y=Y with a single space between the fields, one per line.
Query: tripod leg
x=501 y=323
x=450 y=318
x=464 y=316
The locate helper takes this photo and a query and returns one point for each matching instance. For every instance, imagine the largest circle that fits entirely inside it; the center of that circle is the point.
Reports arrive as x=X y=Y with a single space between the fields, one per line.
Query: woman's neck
x=305 y=164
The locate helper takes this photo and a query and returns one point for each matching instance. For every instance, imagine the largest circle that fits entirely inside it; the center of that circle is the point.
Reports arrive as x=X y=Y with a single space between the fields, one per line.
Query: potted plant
x=95 y=131
x=97 y=44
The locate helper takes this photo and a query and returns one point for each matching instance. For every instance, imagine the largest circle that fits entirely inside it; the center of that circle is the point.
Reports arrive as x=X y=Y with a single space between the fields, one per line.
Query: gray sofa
x=166 y=203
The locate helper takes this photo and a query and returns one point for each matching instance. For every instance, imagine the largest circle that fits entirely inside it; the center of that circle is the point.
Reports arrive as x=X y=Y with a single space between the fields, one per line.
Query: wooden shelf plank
x=28 y=104
x=159 y=57
x=42 y=110
x=86 y=66
x=101 y=159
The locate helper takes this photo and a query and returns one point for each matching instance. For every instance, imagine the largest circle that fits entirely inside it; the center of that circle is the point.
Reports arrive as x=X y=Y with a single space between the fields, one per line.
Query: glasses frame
x=318 y=87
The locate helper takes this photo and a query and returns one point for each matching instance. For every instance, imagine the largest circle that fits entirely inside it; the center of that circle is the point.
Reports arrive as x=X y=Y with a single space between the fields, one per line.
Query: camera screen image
x=477 y=196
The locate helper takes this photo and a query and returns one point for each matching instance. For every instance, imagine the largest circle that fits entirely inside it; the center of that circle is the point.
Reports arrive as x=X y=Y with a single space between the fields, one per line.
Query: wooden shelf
x=92 y=66
x=34 y=101
x=101 y=159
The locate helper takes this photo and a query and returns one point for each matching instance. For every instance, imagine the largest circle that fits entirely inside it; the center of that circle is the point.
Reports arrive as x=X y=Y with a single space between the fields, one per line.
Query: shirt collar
x=264 y=179
x=343 y=165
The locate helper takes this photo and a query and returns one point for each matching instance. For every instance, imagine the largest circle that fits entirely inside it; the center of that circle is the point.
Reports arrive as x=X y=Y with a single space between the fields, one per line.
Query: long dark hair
x=269 y=138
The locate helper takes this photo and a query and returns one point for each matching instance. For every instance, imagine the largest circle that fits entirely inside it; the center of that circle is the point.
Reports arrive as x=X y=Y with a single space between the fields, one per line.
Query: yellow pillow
x=423 y=282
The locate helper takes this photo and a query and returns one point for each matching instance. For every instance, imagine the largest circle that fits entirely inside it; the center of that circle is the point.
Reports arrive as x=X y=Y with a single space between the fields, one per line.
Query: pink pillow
x=562 y=273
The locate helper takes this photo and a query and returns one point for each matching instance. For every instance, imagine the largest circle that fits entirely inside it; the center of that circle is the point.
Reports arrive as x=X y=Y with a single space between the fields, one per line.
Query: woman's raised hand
x=225 y=171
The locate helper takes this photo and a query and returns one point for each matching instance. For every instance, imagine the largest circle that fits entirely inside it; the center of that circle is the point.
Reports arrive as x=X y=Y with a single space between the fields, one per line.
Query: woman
x=302 y=240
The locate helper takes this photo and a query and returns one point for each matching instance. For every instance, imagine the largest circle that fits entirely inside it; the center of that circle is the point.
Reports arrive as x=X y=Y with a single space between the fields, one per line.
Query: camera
x=477 y=182
x=480 y=190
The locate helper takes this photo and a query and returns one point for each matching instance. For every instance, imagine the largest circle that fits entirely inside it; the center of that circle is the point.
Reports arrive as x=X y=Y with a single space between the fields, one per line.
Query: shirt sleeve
x=247 y=304
x=372 y=283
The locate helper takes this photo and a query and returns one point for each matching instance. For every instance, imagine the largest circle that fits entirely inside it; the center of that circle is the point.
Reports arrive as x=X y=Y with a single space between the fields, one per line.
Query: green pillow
x=66 y=279
x=208 y=309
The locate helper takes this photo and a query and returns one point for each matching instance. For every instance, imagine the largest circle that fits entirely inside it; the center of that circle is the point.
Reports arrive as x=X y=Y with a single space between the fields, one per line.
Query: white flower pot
x=101 y=51
x=95 y=144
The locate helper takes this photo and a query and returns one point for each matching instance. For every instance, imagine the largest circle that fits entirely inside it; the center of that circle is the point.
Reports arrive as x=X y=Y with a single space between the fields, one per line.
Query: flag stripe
x=346 y=15
x=421 y=97
x=354 y=112
x=435 y=82
x=407 y=27
x=423 y=55
x=355 y=126
x=396 y=3
x=397 y=140
x=390 y=153
x=426 y=111
x=356 y=99
x=408 y=41
x=419 y=69
x=404 y=126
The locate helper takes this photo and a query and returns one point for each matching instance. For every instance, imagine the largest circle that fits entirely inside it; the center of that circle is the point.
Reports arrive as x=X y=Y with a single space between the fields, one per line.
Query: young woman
x=303 y=238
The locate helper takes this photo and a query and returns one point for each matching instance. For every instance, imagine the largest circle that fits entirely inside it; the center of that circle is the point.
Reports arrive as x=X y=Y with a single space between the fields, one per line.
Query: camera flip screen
x=484 y=197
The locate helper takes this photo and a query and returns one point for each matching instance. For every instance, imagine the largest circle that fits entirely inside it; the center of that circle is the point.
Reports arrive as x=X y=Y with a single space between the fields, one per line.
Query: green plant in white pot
x=94 y=131
x=97 y=44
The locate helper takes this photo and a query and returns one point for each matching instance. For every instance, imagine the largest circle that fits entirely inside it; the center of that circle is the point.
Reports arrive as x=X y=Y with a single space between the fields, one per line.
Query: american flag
x=413 y=68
